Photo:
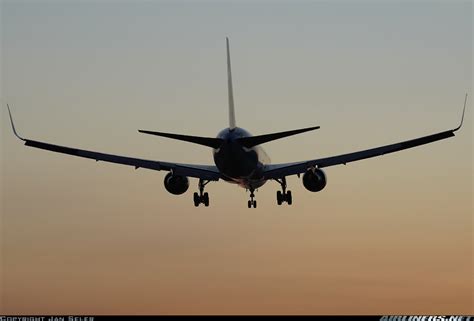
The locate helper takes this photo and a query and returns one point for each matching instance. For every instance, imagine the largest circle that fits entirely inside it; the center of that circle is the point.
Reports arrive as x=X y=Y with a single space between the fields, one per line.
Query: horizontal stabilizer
x=258 y=140
x=206 y=141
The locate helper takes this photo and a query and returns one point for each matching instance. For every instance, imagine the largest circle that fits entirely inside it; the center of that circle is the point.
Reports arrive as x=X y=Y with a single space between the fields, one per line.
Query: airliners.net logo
x=425 y=318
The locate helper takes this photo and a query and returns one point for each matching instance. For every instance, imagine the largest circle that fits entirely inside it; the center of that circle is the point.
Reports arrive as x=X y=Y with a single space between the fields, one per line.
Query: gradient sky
x=392 y=234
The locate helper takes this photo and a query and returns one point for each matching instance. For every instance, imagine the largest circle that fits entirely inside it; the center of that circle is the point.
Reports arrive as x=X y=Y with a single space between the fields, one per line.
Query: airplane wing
x=198 y=171
x=277 y=171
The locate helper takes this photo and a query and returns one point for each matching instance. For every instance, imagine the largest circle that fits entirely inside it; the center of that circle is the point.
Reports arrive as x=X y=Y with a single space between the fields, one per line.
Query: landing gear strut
x=252 y=203
x=201 y=198
x=283 y=195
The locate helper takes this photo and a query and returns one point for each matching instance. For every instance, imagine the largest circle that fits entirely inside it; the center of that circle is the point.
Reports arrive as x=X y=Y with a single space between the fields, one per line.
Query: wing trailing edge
x=208 y=172
x=276 y=171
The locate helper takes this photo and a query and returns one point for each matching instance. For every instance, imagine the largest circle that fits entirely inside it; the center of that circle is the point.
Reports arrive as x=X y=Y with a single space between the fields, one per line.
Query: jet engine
x=176 y=184
x=314 y=180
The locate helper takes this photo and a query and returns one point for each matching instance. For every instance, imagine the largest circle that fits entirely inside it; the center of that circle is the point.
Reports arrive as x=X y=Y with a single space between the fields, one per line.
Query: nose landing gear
x=284 y=195
x=201 y=198
x=252 y=203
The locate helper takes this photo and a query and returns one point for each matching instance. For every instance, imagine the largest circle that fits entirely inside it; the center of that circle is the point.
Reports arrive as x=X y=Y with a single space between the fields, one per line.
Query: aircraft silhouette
x=239 y=158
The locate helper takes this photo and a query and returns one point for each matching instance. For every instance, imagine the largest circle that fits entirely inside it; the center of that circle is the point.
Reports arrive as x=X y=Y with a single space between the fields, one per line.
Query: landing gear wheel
x=201 y=197
x=283 y=195
x=197 y=199
x=252 y=203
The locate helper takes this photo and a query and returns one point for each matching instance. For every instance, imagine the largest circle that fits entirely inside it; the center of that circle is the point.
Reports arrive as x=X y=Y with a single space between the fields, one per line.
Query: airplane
x=239 y=158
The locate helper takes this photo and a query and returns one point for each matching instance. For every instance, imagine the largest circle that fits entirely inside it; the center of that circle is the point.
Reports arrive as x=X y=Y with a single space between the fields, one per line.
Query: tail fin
x=229 y=86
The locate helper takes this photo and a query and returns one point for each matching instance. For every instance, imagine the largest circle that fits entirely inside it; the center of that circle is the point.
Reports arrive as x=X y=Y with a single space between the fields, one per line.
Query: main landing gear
x=284 y=195
x=252 y=203
x=201 y=198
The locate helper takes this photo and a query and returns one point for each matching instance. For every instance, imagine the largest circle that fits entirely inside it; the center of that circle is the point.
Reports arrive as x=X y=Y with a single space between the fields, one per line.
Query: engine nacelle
x=314 y=181
x=176 y=184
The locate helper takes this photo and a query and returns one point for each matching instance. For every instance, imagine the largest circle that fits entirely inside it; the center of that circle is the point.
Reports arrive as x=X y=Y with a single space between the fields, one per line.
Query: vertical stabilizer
x=229 y=86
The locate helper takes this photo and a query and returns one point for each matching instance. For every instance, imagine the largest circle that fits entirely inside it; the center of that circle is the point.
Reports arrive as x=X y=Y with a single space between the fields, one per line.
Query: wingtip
x=13 y=125
x=462 y=117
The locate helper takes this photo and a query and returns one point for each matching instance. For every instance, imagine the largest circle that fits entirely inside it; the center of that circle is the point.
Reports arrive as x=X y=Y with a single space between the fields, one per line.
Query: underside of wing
x=281 y=170
x=207 y=172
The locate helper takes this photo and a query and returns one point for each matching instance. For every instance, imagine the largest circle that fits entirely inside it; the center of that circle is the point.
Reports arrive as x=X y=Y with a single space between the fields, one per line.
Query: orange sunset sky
x=388 y=235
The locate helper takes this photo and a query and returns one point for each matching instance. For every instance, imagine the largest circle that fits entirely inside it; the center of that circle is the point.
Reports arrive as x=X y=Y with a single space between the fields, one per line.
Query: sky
x=388 y=235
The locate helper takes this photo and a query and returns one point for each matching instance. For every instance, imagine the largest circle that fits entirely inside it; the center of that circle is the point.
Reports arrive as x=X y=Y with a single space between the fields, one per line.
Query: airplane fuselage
x=239 y=164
